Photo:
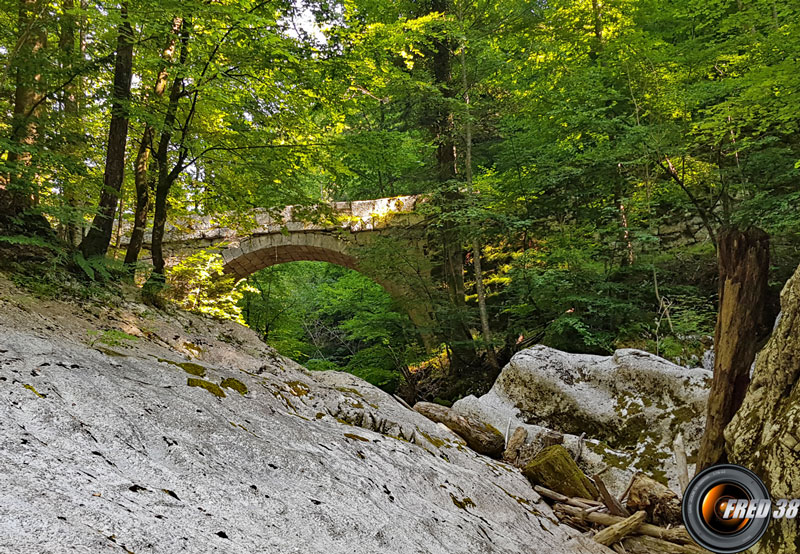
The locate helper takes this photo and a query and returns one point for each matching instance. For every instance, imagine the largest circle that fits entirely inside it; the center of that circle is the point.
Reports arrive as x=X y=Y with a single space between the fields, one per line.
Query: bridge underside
x=264 y=251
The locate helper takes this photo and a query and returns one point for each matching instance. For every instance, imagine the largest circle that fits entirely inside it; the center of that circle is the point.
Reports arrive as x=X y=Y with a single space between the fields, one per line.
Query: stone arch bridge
x=329 y=233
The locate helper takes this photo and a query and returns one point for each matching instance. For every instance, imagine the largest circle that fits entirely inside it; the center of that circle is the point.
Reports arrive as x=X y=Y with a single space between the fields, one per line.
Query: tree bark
x=443 y=129
x=743 y=258
x=99 y=236
x=143 y=155
x=480 y=290
x=16 y=187
x=165 y=176
x=480 y=436
x=616 y=532
x=66 y=43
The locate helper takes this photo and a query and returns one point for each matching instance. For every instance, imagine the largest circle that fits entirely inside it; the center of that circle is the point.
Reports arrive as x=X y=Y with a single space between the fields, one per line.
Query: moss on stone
x=355 y=437
x=298 y=388
x=349 y=390
x=437 y=442
x=189 y=367
x=555 y=469
x=462 y=504
x=109 y=352
x=234 y=384
x=33 y=390
x=213 y=388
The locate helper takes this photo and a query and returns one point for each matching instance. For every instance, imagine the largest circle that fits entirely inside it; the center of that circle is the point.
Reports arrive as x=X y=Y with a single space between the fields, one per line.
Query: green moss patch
x=298 y=388
x=356 y=437
x=464 y=503
x=234 y=384
x=213 y=388
x=435 y=441
x=189 y=367
x=555 y=469
x=349 y=390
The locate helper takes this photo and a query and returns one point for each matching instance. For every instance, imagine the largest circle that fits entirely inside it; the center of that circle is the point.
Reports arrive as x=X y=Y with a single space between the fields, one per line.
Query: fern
x=22 y=240
x=84 y=264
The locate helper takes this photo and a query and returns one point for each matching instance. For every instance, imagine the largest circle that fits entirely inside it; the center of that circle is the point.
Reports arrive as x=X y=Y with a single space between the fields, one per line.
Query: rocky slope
x=195 y=437
x=616 y=414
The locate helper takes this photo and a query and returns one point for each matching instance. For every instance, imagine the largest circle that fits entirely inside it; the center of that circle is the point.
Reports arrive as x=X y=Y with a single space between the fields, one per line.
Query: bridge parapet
x=358 y=216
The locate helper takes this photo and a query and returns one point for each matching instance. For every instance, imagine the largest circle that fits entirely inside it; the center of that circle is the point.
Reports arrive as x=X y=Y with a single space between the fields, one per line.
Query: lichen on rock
x=764 y=435
x=617 y=414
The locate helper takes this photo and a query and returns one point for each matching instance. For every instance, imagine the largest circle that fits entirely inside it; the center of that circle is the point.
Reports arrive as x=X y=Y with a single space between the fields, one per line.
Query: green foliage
x=609 y=143
x=331 y=318
x=24 y=240
x=199 y=284
x=111 y=337
x=99 y=268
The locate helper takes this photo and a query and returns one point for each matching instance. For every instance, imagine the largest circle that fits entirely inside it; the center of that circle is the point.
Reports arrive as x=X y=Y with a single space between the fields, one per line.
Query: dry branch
x=616 y=532
x=674 y=534
x=614 y=506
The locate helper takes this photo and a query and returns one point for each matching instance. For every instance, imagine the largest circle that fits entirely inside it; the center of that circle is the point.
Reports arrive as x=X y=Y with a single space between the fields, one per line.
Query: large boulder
x=618 y=414
x=196 y=437
x=764 y=435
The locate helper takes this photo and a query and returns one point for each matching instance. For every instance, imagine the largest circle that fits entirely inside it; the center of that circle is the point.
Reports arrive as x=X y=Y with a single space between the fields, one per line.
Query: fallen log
x=615 y=533
x=583 y=503
x=480 y=436
x=674 y=534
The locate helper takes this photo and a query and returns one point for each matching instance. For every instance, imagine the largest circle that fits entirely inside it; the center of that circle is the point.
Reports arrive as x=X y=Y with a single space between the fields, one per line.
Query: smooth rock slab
x=114 y=451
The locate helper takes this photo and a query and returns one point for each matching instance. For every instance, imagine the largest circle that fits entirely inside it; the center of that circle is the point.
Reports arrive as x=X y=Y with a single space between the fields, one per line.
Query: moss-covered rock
x=213 y=388
x=632 y=402
x=234 y=384
x=555 y=469
x=764 y=435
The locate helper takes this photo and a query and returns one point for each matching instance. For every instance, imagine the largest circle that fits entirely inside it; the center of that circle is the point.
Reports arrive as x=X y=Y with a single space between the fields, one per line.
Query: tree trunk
x=69 y=102
x=17 y=188
x=165 y=176
x=743 y=258
x=143 y=156
x=480 y=290
x=442 y=128
x=99 y=236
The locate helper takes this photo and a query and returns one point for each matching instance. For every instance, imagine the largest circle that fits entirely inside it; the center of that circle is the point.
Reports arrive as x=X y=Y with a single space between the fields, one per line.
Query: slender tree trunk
x=165 y=176
x=66 y=44
x=143 y=156
x=742 y=324
x=486 y=331
x=99 y=237
x=18 y=188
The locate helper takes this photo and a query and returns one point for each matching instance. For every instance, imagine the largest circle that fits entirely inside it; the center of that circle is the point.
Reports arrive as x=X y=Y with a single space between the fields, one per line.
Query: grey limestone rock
x=618 y=413
x=196 y=437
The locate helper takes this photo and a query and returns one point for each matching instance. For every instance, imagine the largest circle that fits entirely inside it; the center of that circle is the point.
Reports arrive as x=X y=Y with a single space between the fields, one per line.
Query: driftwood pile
x=645 y=519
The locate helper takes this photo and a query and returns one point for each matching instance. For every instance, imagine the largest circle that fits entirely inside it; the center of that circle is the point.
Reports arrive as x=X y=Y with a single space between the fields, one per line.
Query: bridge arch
x=256 y=253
